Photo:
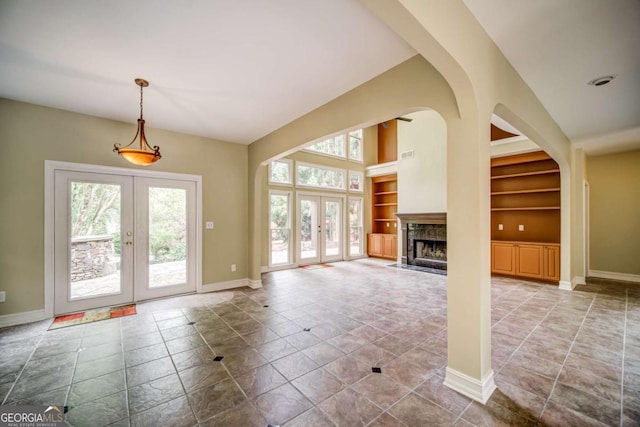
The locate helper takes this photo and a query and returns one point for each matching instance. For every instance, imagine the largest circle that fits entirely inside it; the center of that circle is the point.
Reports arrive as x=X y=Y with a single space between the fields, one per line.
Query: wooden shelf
x=525 y=191
x=532 y=208
x=536 y=190
x=518 y=175
x=384 y=203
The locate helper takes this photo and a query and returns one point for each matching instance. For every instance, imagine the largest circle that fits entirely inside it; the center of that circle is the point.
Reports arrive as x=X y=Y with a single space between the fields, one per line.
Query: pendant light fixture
x=145 y=155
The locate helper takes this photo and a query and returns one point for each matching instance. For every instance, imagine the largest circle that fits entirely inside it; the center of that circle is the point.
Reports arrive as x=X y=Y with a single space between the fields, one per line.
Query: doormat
x=315 y=266
x=92 y=316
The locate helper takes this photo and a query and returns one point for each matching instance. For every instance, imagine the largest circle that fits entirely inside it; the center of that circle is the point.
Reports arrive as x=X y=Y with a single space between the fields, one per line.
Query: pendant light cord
x=140 y=102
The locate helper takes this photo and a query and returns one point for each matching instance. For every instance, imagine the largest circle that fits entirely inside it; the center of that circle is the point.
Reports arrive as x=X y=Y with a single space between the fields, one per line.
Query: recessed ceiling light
x=603 y=80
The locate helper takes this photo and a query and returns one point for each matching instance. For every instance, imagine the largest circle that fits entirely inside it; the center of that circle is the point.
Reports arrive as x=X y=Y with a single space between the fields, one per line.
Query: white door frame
x=50 y=166
x=343 y=226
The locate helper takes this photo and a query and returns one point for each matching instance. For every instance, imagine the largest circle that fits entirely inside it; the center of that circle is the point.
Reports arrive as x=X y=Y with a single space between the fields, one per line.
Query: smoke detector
x=603 y=80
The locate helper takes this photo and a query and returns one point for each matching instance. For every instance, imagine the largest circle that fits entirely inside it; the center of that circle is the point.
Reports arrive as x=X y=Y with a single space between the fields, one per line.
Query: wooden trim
x=536 y=156
x=423 y=218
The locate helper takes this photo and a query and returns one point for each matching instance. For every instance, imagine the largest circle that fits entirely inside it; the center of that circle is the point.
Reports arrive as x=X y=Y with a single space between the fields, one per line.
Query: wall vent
x=407 y=155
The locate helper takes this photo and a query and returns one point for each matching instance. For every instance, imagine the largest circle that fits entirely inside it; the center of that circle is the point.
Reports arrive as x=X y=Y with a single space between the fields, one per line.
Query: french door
x=119 y=239
x=320 y=229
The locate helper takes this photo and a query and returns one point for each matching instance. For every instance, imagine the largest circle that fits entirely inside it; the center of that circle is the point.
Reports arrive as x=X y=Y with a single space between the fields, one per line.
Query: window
x=320 y=176
x=355 y=145
x=330 y=146
x=356 y=181
x=347 y=145
x=280 y=172
x=279 y=228
x=355 y=226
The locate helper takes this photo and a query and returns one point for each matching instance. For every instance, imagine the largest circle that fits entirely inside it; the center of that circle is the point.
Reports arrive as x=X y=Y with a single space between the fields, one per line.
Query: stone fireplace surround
x=420 y=230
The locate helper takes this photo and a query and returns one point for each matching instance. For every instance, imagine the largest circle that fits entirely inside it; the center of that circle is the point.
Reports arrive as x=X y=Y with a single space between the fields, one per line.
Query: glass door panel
x=165 y=237
x=308 y=210
x=332 y=221
x=93 y=219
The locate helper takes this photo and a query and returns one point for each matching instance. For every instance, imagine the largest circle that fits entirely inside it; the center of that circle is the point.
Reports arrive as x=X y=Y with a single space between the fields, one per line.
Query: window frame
x=289 y=195
x=345 y=146
x=360 y=227
x=361 y=180
x=289 y=162
x=330 y=168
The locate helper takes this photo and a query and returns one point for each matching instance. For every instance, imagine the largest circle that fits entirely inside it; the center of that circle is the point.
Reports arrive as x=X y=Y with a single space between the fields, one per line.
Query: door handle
x=319 y=229
x=128 y=243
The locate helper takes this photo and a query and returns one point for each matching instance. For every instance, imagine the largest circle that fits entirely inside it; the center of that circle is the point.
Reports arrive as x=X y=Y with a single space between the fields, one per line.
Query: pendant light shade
x=145 y=155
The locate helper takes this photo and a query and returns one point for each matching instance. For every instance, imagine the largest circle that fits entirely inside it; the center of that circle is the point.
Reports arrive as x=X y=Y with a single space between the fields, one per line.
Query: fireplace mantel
x=422 y=218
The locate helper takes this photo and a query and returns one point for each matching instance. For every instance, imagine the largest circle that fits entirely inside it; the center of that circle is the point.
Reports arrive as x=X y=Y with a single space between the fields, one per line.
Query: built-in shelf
x=521 y=174
x=532 y=208
x=536 y=190
x=382 y=193
x=385 y=204
x=385 y=219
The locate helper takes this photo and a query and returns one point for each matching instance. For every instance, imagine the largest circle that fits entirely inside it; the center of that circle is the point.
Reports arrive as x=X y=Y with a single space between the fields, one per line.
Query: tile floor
x=561 y=358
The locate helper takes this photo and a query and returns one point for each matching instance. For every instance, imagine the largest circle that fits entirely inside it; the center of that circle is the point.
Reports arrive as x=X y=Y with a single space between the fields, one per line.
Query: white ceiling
x=558 y=46
x=233 y=70
x=236 y=70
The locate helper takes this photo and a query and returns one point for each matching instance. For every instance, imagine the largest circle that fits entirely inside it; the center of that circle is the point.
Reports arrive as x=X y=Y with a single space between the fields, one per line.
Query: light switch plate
x=500 y=227
x=3 y=296
x=521 y=227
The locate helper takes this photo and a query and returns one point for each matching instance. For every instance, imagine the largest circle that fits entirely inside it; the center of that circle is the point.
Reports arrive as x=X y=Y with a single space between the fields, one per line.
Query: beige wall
x=614 y=212
x=31 y=134
x=422 y=179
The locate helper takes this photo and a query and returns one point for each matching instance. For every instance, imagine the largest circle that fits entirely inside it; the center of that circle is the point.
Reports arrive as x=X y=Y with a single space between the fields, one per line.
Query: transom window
x=347 y=145
x=280 y=172
x=309 y=175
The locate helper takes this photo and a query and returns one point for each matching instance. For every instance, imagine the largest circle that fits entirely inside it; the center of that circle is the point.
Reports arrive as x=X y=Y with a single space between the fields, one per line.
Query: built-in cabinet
x=533 y=260
x=383 y=246
x=383 y=241
x=525 y=216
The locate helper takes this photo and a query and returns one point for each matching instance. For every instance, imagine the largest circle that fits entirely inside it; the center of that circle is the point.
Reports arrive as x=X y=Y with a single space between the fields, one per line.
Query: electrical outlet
x=209 y=225
x=233 y=267
x=521 y=227
x=500 y=227
x=3 y=296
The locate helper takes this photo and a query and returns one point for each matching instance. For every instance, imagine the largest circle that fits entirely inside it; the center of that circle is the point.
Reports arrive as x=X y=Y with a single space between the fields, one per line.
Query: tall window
x=355 y=145
x=308 y=175
x=279 y=228
x=348 y=145
x=280 y=172
x=355 y=226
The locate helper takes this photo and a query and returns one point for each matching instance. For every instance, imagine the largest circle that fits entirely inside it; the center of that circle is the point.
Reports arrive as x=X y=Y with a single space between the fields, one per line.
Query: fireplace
x=424 y=240
x=430 y=253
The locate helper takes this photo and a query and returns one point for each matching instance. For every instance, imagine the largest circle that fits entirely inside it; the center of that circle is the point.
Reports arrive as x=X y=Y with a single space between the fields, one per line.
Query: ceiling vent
x=601 y=81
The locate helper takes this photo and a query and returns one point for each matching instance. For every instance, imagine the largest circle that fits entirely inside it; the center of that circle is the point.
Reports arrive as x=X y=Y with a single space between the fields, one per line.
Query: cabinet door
x=529 y=261
x=552 y=262
x=390 y=246
x=374 y=247
x=503 y=258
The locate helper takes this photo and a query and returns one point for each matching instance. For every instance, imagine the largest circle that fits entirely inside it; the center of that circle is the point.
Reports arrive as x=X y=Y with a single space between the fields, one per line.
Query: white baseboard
x=477 y=390
x=231 y=284
x=566 y=286
x=578 y=280
x=24 y=317
x=625 y=277
x=254 y=284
